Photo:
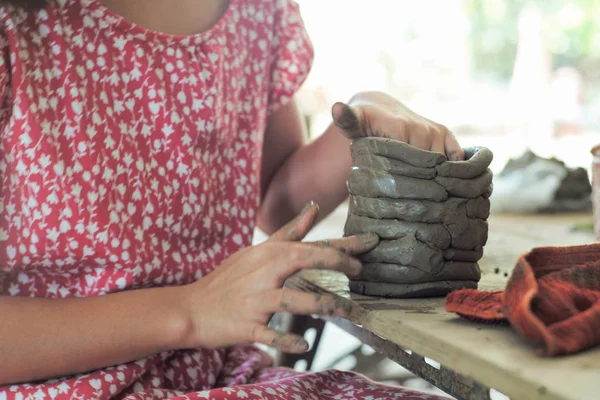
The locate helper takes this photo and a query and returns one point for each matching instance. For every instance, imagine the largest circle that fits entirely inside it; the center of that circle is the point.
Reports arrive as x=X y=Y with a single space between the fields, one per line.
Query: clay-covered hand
x=378 y=114
x=233 y=304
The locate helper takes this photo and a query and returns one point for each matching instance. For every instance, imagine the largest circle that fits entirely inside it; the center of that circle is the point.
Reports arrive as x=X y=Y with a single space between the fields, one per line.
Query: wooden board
x=495 y=356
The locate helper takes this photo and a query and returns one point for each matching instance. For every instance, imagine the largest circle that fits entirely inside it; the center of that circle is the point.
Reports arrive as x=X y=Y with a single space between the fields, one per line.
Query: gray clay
x=469 y=188
x=393 y=166
x=395 y=273
x=477 y=208
x=419 y=210
x=468 y=233
x=402 y=290
x=382 y=184
x=477 y=161
x=429 y=212
x=488 y=192
x=397 y=150
x=434 y=235
x=463 y=255
x=406 y=251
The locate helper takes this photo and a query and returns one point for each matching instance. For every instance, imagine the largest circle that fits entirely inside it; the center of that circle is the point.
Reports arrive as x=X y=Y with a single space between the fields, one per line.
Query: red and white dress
x=131 y=158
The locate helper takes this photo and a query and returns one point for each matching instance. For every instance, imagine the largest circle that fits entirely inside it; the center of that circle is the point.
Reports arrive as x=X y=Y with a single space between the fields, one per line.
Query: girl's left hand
x=378 y=114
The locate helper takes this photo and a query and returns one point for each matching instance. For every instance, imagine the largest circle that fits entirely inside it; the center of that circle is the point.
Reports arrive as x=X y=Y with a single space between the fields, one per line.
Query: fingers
x=438 y=143
x=353 y=245
x=304 y=256
x=453 y=150
x=348 y=119
x=286 y=342
x=297 y=228
x=303 y=303
x=420 y=136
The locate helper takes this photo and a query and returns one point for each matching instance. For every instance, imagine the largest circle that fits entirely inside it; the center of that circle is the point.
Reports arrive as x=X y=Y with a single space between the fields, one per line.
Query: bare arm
x=294 y=173
x=44 y=338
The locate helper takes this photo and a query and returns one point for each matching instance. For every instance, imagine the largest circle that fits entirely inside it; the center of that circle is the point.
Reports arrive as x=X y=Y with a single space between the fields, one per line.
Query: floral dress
x=130 y=158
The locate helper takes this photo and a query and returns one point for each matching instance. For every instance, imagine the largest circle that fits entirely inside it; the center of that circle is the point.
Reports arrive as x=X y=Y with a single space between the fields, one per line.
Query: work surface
x=495 y=356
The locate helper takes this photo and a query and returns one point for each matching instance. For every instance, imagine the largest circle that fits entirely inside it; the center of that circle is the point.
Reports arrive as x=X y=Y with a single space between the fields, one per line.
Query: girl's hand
x=377 y=114
x=234 y=303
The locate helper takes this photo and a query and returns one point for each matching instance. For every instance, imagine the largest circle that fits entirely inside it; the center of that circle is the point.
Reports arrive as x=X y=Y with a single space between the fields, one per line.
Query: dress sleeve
x=292 y=54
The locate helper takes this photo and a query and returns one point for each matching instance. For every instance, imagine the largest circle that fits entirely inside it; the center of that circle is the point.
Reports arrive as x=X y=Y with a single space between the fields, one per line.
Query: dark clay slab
x=372 y=183
x=468 y=233
x=434 y=235
x=397 y=150
x=419 y=210
x=401 y=290
x=463 y=255
x=393 y=166
x=477 y=160
x=394 y=273
x=469 y=188
x=406 y=251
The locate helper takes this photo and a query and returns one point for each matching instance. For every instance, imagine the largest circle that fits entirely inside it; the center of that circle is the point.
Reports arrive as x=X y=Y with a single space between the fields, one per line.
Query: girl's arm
x=44 y=338
x=294 y=173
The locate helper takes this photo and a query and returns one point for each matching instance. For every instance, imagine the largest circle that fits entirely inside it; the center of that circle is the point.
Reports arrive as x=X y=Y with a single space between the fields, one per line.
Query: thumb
x=296 y=229
x=348 y=119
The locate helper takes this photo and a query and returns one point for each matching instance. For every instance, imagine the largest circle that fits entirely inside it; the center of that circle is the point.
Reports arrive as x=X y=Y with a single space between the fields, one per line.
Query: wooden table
x=473 y=357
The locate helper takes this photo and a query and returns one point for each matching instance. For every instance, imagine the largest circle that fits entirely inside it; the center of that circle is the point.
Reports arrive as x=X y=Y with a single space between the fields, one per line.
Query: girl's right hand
x=233 y=304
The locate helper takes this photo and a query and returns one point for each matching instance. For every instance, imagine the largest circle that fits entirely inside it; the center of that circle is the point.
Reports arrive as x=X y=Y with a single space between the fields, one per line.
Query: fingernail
x=307 y=206
x=371 y=238
x=347 y=119
x=355 y=266
x=302 y=346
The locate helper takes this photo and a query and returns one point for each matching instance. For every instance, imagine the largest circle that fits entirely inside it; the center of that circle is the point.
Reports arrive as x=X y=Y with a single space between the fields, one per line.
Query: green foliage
x=571 y=30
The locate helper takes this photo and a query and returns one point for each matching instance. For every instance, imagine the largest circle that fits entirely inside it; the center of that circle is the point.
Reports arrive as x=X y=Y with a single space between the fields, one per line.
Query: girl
x=141 y=140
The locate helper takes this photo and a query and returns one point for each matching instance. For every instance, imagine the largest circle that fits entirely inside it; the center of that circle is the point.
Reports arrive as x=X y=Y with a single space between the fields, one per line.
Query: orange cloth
x=552 y=298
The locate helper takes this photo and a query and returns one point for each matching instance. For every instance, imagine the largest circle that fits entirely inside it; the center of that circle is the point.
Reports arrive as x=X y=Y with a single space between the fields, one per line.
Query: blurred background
x=511 y=75
x=507 y=74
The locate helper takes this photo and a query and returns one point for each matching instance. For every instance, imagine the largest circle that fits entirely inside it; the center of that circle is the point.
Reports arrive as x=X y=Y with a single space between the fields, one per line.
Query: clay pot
x=430 y=213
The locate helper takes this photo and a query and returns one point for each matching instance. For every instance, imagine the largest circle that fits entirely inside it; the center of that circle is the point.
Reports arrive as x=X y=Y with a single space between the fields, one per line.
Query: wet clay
x=420 y=210
x=430 y=214
x=395 y=273
x=407 y=251
x=395 y=150
x=426 y=289
x=469 y=188
x=431 y=234
x=479 y=158
x=394 y=166
x=383 y=184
